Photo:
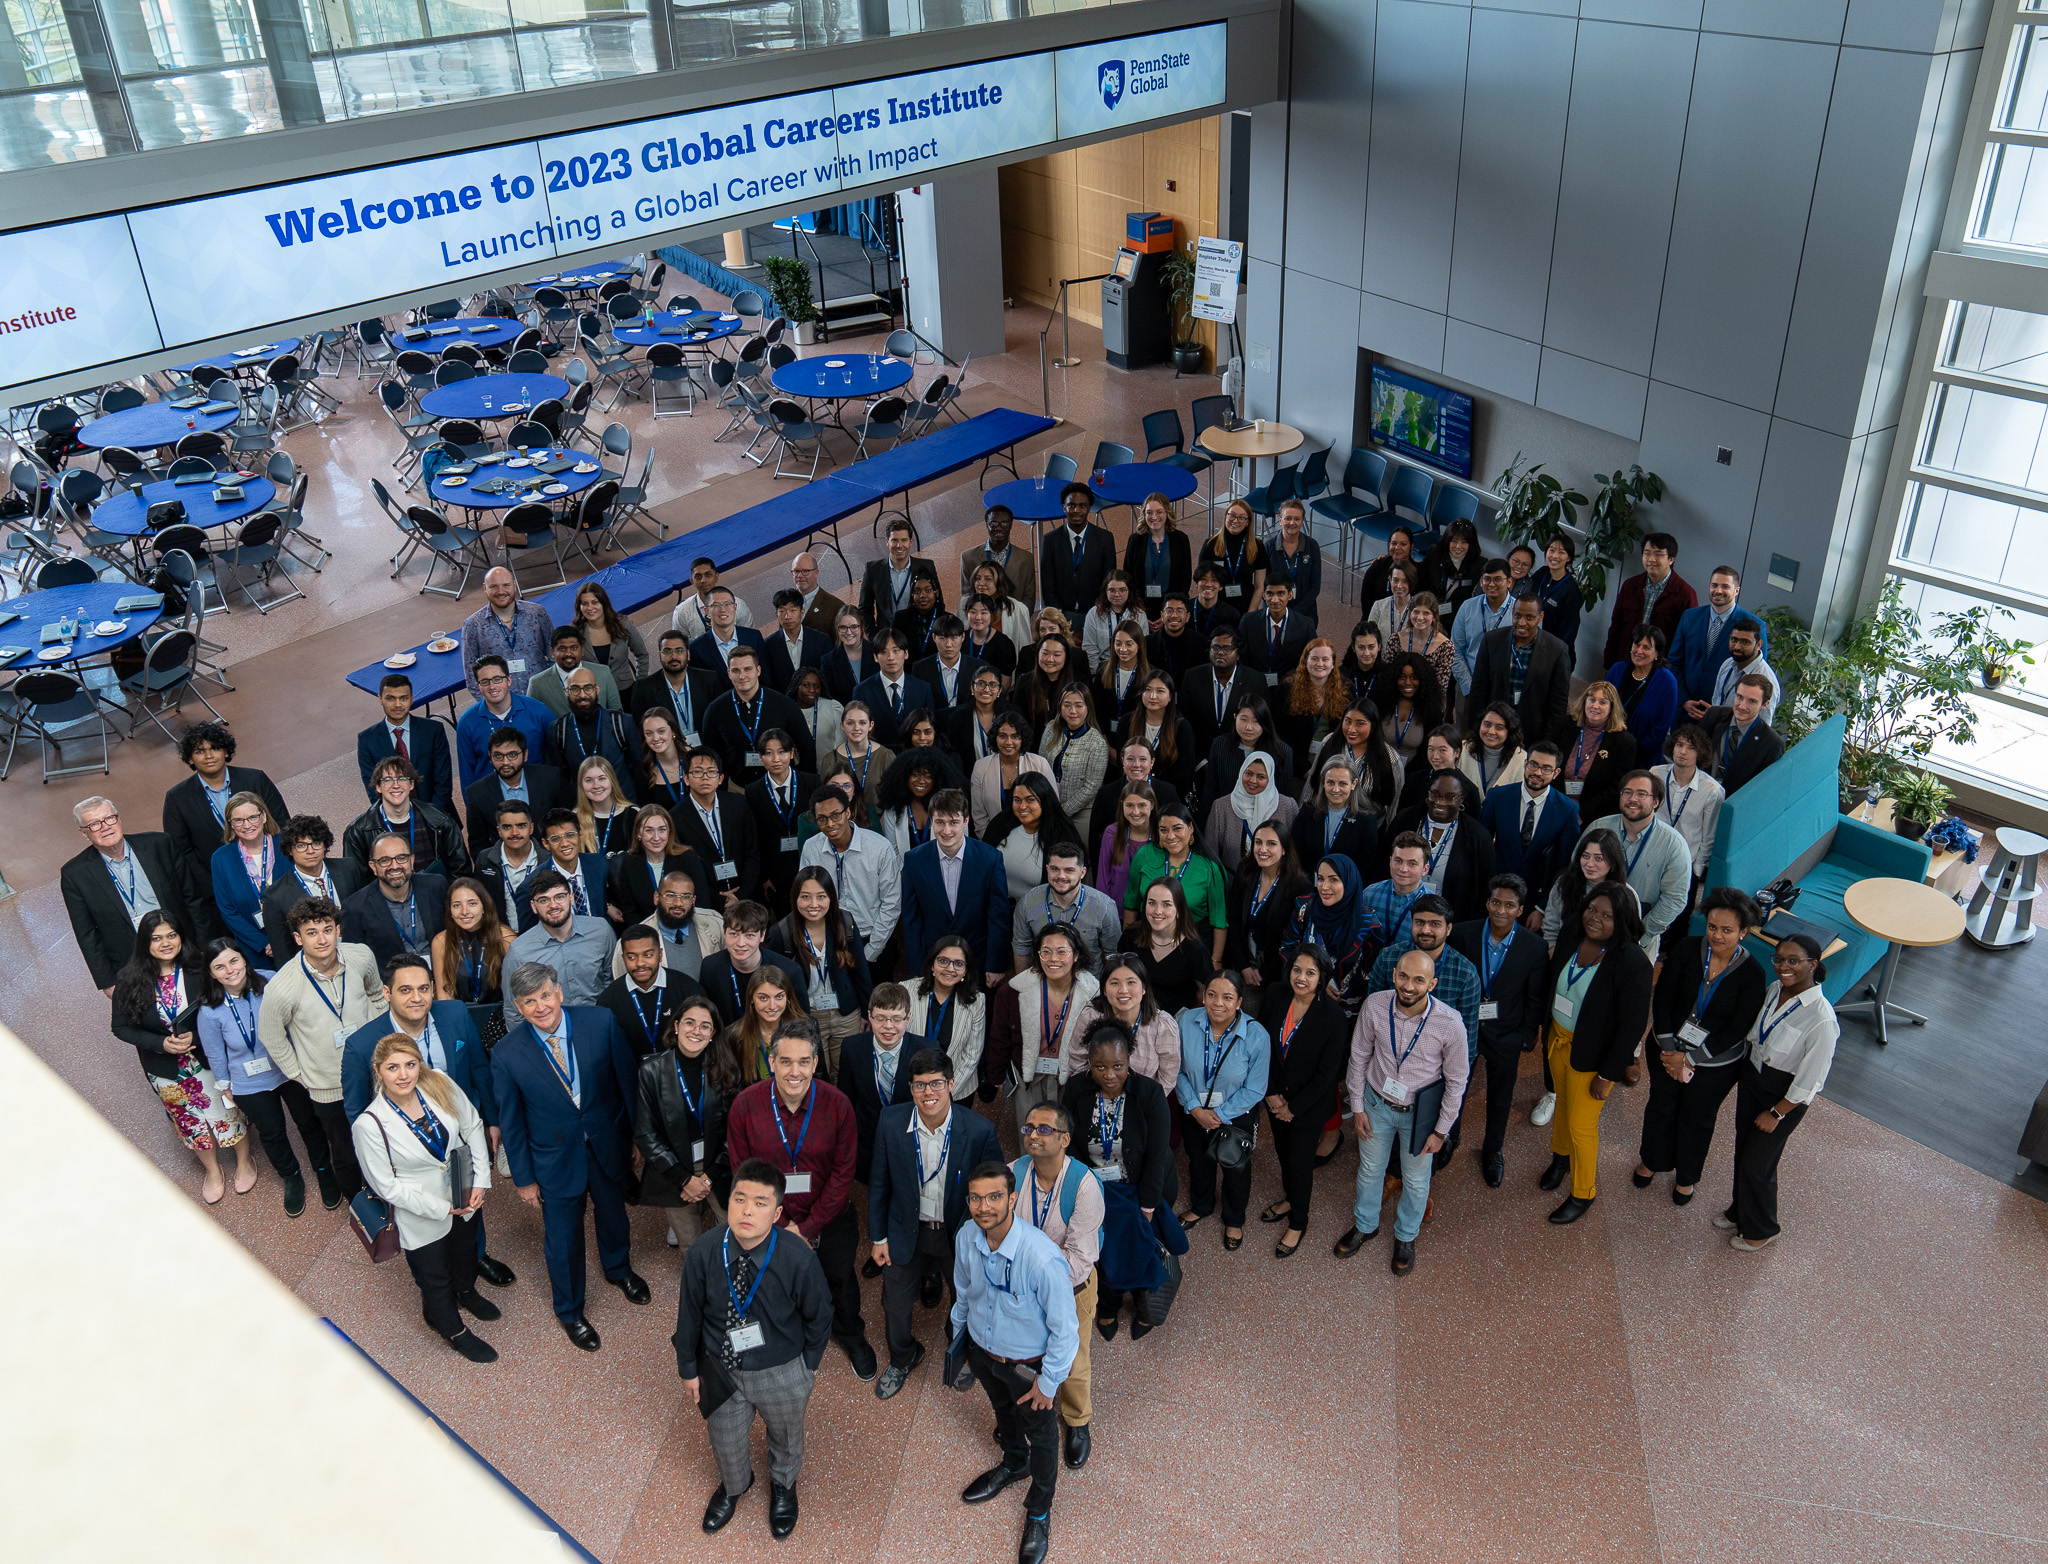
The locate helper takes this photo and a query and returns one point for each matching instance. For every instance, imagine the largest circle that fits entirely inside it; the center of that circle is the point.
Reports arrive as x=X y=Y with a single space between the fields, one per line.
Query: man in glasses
x=114 y=881
x=917 y=1198
x=1064 y=1201
x=398 y=911
x=1014 y=1325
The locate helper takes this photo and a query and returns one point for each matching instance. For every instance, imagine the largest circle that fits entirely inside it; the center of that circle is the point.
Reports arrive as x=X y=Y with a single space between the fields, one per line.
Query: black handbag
x=1158 y=1303
x=1231 y=1145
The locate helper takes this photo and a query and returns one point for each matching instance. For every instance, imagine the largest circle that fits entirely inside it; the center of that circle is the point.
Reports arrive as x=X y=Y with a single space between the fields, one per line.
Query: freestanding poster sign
x=1217 y=263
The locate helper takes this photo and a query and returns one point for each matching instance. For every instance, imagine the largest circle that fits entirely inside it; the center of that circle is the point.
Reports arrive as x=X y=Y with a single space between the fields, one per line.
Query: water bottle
x=77 y=622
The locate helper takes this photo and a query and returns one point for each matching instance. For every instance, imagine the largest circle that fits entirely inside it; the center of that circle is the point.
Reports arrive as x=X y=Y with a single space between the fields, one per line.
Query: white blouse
x=1693 y=811
x=1798 y=1037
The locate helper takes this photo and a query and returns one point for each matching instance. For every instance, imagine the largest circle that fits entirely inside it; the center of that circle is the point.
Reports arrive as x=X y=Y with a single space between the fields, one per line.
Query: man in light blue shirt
x=1013 y=1318
x=1478 y=617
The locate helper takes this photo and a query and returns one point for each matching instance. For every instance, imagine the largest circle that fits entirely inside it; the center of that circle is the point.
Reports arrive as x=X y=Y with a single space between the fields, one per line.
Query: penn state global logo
x=1109 y=75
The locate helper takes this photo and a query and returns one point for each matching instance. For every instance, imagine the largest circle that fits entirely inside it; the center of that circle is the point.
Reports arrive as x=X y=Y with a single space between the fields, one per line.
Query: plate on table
x=50 y=654
x=518 y=461
x=453 y=483
x=400 y=660
x=110 y=627
x=728 y=317
x=514 y=407
x=835 y=363
x=556 y=488
x=550 y=277
x=443 y=644
x=586 y=467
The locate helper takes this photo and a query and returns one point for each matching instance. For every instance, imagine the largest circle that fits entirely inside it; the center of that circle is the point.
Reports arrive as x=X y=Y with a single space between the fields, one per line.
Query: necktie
x=742 y=1283
x=1528 y=822
x=398 y=743
x=895 y=697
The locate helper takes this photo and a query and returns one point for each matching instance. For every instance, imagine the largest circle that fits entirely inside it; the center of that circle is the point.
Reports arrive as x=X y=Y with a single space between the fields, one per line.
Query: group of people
x=735 y=927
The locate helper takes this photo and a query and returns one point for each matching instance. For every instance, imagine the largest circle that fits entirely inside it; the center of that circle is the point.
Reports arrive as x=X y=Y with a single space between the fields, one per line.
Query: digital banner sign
x=81 y=294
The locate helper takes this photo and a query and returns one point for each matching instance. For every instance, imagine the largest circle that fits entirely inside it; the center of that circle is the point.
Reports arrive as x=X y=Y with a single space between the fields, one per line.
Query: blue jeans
x=1388 y=1128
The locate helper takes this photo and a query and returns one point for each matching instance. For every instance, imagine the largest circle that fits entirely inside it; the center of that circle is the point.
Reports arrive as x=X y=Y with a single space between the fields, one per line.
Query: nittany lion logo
x=1109 y=75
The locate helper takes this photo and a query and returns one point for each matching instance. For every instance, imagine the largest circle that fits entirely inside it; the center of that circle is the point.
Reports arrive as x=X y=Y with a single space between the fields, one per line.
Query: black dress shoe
x=1682 y=1197
x=330 y=1191
x=1352 y=1241
x=1107 y=1324
x=1560 y=1168
x=781 y=1510
x=1493 y=1169
x=863 y=1357
x=473 y=1347
x=992 y=1482
x=476 y=1305
x=632 y=1285
x=496 y=1272
x=931 y=1292
x=295 y=1194
x=1642 y=1180
x=1571 y=1211
x=722 y=1504
x=1077 y=1442
x=1037 y=1540
x=869 y=1270
x=578 y=1331
x=1404 y=1257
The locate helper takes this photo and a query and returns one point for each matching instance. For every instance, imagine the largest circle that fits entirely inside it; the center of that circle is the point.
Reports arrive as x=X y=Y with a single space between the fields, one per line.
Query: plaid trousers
x=780 y=1395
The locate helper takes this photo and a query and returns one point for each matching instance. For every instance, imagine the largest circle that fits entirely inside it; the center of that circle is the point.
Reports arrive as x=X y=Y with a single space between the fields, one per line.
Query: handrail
x=1066 y=360
x=817 y=260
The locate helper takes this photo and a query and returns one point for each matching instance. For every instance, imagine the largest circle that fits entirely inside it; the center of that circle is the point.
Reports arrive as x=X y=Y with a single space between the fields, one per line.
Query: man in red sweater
x=805 y=1128
x=1658 y=596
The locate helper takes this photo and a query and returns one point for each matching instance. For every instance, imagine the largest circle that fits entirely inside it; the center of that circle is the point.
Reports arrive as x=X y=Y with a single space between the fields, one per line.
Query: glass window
x=2011 y=344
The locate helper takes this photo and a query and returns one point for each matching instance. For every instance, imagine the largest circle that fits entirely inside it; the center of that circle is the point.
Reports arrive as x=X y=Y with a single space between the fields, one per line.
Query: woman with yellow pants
x=1600 y=1003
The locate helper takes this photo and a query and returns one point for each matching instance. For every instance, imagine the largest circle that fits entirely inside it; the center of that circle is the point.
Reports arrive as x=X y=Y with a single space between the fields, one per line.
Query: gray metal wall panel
x=1752 y=146
x=1546 y=7
x=1491 y=360
x=1517 y=93
x=1813 y=21
x=1710 y=507
x=1655 y=13
x=1418 y=108
x=1331 y=126
x=1866 y=162
x=1578 y=388
x=1267 y=211
x=1320 y=387
x=1630 y=86
x=1797 y=505
x=1395 y=330
x=1897 y=24
x=1263 y=284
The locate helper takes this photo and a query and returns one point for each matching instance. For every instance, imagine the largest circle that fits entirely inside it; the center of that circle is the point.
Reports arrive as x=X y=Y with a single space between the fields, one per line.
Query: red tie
x=398 y=739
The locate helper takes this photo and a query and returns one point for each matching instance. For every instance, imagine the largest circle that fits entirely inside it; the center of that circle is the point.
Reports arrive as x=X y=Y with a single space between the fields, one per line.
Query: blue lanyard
x=1401 y=733
x=1258 y=901
x=1333 y=827
x=786 y=816
x=1040 y=1213
x=473 y=968
x=938 y=1027
x=1764 y=1036
x=760 y=714
x=817 y=954
x=898 y=595
x=409 y=822
x=683 y=1086
x=1707 y=989
x=1636 y=857
x=712 y=826
x=681 y=701
x=1489 y=969
x=604 y=843
x=1291 y=563
x=1399 y=1054
x=1108 y=1130
x=1677 y=814
x=1443 y=845
x=269 y=865
x=775 y=1109
x=432 y=1132
x=917 y=1150
x=246 y=1029
x=341 y=989
x=1579 y=751
x=1059 y=761
x=725 y=1251
x=1233 y=563
x=409 y=928
x=867 y=760
x=1049 y=1035
x=324 y=886
x=1573 y=972
x=217 y=803
x=652 y=1028
x=1212 y=1054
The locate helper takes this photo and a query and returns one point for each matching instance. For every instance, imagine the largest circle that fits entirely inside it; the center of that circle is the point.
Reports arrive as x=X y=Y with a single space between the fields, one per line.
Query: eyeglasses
x=828 y=821
x=925 y=1088
x=391 y=863
x=948 y=964
x=1040 y=1131
x=103 y=823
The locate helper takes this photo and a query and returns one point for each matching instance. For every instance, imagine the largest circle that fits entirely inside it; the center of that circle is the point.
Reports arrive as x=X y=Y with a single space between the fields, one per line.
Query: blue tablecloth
x=450 y=491
x=232 y=360
x=477 y=331
x=150 y=426
x=840 y=376
x=646 y=336
x=128 y=514
x=1131 y=482
x=96 y=603
x=946 y=449
x=593 y=274
x=1029 y=499
x=465 y=398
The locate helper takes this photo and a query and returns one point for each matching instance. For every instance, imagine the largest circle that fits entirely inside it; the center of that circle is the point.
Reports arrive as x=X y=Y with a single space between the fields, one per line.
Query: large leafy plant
x=1613 y=531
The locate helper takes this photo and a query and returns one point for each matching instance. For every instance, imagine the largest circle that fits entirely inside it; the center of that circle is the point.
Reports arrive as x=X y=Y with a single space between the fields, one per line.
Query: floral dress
x=201 y=1110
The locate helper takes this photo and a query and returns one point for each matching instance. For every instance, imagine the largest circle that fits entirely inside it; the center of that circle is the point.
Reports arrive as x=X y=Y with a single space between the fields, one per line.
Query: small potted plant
x=789 y=286
x=1177 y=276
x=1919 y=799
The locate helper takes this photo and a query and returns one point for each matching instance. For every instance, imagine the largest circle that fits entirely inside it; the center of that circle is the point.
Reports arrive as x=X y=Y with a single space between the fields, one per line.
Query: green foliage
x=1612 y=531
x=1920 y=795
x=1177 y=277
x=1535 y=507
x=789 y=285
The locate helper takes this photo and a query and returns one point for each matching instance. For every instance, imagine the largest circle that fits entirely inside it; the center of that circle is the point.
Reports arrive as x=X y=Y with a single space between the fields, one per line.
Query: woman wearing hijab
x=1246 y=807
x=1333 y=915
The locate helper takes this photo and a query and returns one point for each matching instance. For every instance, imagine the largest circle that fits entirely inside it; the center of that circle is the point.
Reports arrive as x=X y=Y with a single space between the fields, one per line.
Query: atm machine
x=1137 y=312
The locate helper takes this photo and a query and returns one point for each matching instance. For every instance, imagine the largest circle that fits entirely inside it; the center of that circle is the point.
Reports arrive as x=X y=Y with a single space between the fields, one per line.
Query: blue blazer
x=240 y=903
x=892 y=1176
x=428 y=742
x=1655 y=714
x=1557 y=832
x=1695 y=660
x=916 y=693
x=857 y=1080
x=468 y=1066
x=545 y=1133
x=982 y=917
x=704 y=655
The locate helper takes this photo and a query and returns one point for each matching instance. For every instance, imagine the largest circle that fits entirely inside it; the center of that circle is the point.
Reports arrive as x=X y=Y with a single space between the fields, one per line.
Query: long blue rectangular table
x=793 y=516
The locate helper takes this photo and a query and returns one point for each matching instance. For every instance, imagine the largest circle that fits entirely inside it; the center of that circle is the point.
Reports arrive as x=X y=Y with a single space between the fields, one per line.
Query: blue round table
x=645 y=336
x=461 y=491
x=150 y=427
x=128 y=513
x=841 y=376
x=467 y=398
x=1029 y=499
x=38 y=609
x=477 y=331
x=245 y=358
x=1132 y=483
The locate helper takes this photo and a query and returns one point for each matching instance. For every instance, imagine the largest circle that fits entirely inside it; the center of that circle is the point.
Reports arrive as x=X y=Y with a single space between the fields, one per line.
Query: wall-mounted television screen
x=1429 y=422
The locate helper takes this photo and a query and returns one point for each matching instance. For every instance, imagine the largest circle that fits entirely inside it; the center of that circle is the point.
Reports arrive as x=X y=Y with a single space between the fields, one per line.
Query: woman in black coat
x=1120 y=1129
x=1157 y=538
x=1599 y=752
x=682 y=1094
x=1260 y=901
x=1311 y=1049
x=1708 y=997
x=1338 y=820
x=1600 y=988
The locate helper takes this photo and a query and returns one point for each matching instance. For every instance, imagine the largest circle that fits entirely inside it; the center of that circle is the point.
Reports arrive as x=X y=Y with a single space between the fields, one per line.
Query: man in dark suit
x=949 y=674
x=792 y=644
x=646 y=996
x=195 y=811
x=1528 y=668
x=736 y=720
x=1176 y=645
x=398 y=910
x=776 y=801
x=956 y=885
x=592 y=730
x=890 y=691
x=719 y=828
x=1271 y=640
x=563 y=1083
x=561 y=833
x=1514 y=968
x=1532 y=847
x=108 y=887
x=1742 y=742
x=726 y=635
x=885 y=584
x=821 y=608
x=515 y=858
x=1075 y=559
x=303 y=870
x=1460 y=850
x=1015 y=563
x=917 y=1197
x=1211 y=694
x=420 y=740
x=1659 y=596
x=686 y=691
x=448 y=1042
x=872 y=1073
x=511 y=776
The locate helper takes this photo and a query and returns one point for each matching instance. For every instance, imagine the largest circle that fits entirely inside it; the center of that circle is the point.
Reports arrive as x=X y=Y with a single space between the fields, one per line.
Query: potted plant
x=789 y=286
x=2000 y=654
x=1535 y=507
x=1613 y=534
x=1177 y=276
x=1919 y=799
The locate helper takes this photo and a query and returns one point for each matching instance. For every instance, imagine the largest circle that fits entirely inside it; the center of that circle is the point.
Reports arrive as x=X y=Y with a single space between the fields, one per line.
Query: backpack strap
x=1070 y=1186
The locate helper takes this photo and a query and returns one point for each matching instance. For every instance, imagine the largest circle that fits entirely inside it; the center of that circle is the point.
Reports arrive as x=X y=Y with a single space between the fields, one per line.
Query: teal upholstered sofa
x=1787 y=820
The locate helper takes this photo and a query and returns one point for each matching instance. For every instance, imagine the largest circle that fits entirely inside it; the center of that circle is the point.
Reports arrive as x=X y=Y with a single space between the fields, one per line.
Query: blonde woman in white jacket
x=405 y=1141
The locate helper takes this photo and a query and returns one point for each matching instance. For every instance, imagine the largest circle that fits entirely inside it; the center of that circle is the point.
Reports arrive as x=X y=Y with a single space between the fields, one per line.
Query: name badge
x=1110 y=1174
x=726 y=869
x=1565 y=1009
x=692 y=740
x=1489 y=1010
x=697 y=1152
x=1394 y=1090
x=515 y=664
x=1233 y=591
x=1574 y=788
x=788 y=844
x=743 y=1338
x=752 y=761
x=341 y=1036
x=1048 y=1067
x=1692 y=1033
x=1272 y=678
x=797 y=1184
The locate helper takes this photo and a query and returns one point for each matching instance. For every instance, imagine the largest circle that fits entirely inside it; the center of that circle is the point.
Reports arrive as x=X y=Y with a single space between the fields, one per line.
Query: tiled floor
x=1870 y=1389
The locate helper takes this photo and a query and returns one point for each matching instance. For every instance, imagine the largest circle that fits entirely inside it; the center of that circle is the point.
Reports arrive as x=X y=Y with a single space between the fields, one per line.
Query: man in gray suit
x=550 y=685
